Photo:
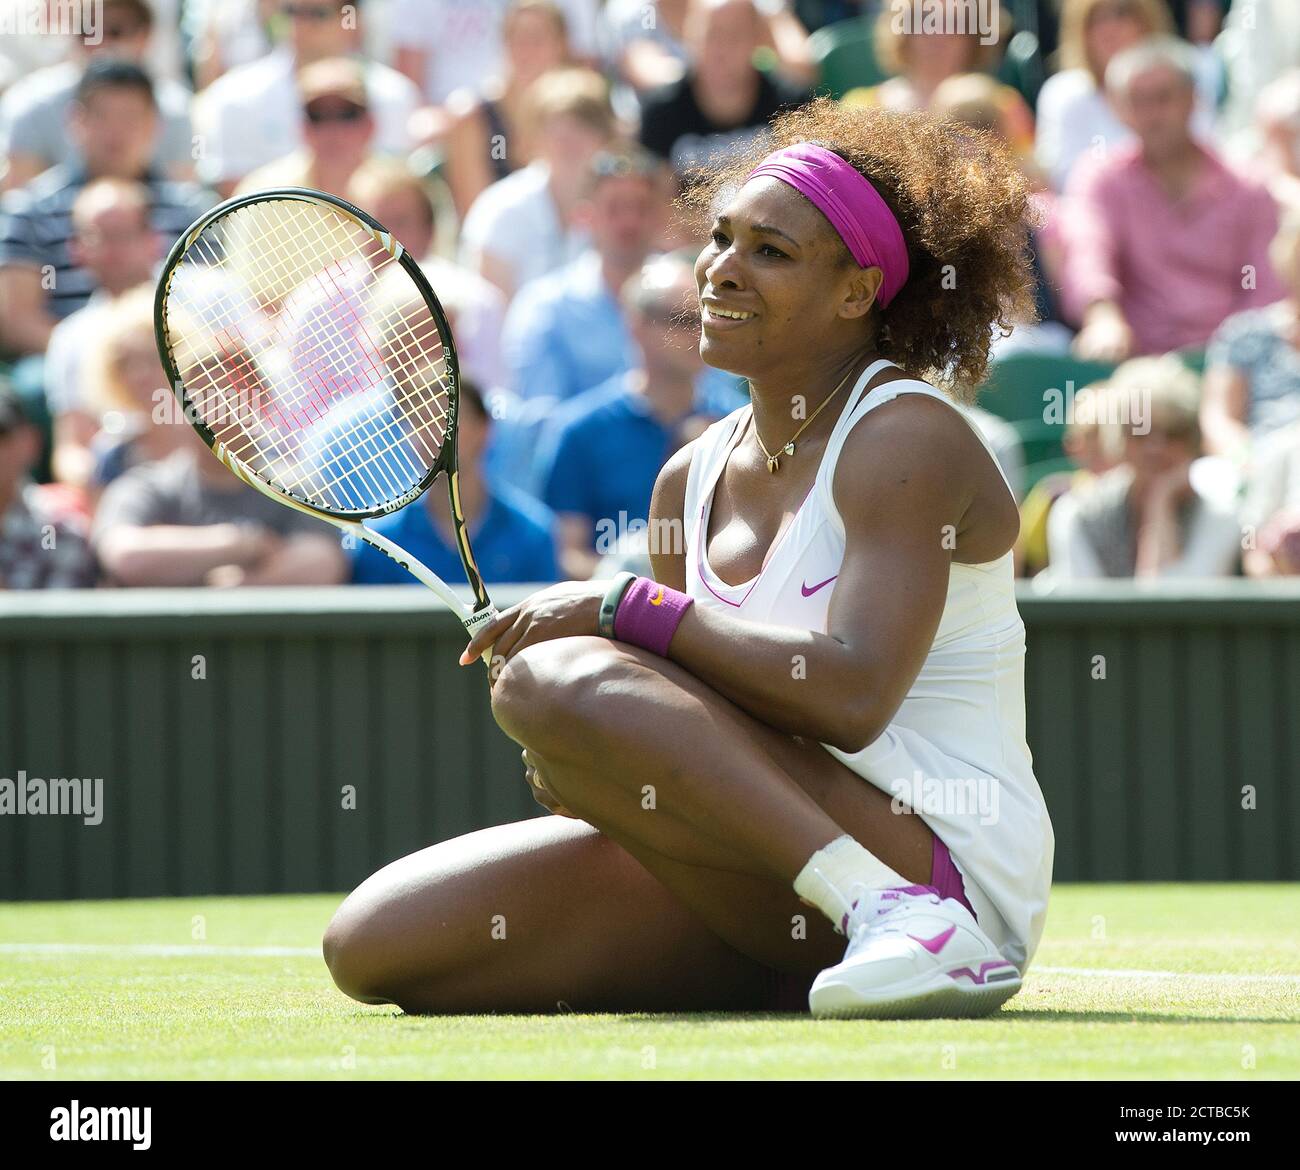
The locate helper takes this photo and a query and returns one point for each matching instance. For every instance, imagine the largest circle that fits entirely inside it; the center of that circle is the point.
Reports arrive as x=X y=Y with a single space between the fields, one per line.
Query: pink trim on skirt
x=946 y=878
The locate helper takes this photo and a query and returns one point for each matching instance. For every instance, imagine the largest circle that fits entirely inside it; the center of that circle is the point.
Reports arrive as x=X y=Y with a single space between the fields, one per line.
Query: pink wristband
x=649 y=614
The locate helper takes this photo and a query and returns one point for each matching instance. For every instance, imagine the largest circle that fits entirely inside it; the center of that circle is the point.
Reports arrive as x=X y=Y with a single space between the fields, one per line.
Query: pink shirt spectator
x=1176 y=269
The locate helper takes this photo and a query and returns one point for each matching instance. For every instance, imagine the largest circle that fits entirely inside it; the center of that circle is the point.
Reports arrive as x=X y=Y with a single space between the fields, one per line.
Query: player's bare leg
x=532 y=917
x=720 y=807
x=694 y=787
x=729 y=793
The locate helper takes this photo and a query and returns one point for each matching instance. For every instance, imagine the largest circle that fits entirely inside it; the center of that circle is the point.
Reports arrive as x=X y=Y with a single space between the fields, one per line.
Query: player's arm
x=667 y=520
x=304 y=558
x=169 y=554
x=23 y=168
x=72 y=461
x=412 y=63
x=578 y=560
x=903 y=487
x=26 y=323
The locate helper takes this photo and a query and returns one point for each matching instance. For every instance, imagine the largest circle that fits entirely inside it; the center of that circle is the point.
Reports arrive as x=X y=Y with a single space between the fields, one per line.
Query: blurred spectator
x=1260 y=42
x=1271 y=511
x=976 y=100
x=185 y=520
x=984 y=103
x=511 y=534
x=565 y=332
x=27 y=44
x=921 y=60
x=337 y=131
x=723 y=100
x=521 y=227
x=1147 y=517
x=1200 y=21
x=250 y=116
x=1252 y=380
x=1077 y=117
x=446 y=45
x=1277 y=118
x=124 y=414
x=42 y=545
x=226 y=33
x=389 y=191
x=1093 y=442
x=486 y=140
x=114 y=123
x=1162 y=240
x=34 y=111
x=646 y=41
x=113 y=240
x=601 y=452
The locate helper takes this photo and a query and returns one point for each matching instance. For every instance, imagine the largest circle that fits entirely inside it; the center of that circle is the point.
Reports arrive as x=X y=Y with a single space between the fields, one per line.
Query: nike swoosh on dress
x=809 y=592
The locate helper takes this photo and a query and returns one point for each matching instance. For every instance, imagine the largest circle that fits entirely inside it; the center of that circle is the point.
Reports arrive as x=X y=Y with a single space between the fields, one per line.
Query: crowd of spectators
x=529 y=151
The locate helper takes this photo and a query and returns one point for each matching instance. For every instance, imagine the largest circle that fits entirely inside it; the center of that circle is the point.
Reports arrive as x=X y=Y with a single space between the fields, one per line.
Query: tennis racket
x=309 y=352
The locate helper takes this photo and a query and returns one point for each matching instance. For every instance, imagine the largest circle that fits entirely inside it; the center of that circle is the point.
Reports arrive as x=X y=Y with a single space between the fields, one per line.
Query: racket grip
x=482 y=617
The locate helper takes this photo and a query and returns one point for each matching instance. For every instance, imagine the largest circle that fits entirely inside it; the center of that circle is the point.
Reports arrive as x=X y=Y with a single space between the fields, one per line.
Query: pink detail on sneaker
x=890 y=895
x=936 y=944
x=986 y=971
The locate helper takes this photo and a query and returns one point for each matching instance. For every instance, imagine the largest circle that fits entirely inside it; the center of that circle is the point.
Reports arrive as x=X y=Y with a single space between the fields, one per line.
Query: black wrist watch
x=609 y=603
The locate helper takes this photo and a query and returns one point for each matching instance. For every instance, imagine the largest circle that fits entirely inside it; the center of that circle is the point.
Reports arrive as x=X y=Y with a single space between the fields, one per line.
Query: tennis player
x=791 y=769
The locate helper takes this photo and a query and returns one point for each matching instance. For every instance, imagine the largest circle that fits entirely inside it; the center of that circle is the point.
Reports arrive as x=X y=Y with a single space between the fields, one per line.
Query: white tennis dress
x=955 y=751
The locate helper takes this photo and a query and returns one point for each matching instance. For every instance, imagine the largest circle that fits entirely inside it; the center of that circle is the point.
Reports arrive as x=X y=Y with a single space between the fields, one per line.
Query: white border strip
x=168 y=951
x=1132 y=973
x=162 y=950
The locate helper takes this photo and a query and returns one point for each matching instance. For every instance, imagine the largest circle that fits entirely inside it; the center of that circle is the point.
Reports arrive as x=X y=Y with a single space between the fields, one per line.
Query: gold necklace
x=774 y=461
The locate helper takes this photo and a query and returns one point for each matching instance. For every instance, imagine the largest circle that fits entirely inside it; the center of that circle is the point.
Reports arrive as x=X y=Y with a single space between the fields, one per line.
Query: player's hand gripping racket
x=310 y=353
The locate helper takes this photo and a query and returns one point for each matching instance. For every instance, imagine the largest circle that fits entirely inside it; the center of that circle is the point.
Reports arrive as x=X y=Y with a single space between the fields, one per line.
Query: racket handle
x=477 y=619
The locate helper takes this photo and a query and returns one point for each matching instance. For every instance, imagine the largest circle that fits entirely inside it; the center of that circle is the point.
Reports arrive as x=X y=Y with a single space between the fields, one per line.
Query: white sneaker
x=912 y=953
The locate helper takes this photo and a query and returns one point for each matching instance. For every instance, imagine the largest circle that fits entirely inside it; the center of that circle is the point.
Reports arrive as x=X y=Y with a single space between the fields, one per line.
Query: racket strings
x=316 y=363
x=276 y=282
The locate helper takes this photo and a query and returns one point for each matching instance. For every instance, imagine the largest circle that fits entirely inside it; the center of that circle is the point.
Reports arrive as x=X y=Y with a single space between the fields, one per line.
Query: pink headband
x=853 y=206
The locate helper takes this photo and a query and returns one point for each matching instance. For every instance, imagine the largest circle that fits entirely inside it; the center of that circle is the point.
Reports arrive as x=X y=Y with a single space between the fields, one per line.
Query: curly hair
x=963 y=206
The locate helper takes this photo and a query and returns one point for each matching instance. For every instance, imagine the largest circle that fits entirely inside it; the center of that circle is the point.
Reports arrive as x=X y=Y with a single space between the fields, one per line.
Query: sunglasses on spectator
x=314 y=12
x=608 y=165
x=96 y=238
x=1170 y=432
x=121 y=32
x=318 y=116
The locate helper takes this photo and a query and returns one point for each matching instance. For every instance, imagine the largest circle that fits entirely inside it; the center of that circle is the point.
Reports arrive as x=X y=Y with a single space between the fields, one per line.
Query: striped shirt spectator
x=115 y=126
x=36 y=226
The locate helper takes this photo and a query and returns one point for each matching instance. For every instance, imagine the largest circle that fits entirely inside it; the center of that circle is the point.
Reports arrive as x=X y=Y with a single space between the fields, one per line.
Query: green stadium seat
x=845 y=55
x=1035 y=472
x=1016 y=385
x=1022 y=66
x=1014 y=391
x=1039 y=440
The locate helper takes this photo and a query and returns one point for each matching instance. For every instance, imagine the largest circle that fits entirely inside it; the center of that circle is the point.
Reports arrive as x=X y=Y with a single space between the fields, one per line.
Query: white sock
x=832 y=872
